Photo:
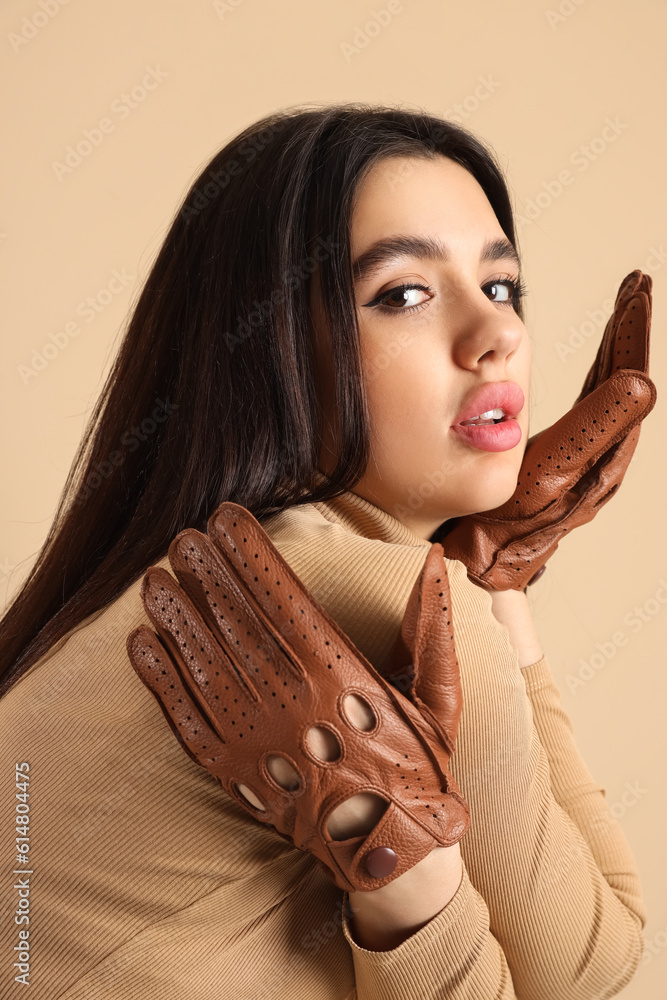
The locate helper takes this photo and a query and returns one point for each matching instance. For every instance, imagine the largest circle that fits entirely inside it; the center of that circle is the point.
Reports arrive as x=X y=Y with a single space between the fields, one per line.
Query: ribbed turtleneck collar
x=362 y=517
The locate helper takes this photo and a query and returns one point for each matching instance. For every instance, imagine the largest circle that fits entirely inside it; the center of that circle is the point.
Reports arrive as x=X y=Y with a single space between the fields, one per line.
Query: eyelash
x=517 y=286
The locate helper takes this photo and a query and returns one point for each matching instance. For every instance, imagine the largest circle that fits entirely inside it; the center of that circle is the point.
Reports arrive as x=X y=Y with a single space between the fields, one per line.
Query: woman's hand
x=511 y=609
x=384 y=918
x=573 y=468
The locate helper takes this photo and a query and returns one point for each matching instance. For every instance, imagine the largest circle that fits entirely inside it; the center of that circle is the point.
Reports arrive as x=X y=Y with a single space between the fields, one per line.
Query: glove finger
x=191 y=643
x=565 y=451
x=231 y=610
x=625 y=341
x=601 y=367
x=213 y=681
x=631 y=343
x=290 y=611
x=200 y=736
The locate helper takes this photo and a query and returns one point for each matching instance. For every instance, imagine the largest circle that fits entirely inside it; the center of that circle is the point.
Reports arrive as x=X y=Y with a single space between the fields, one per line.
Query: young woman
x=335 y=310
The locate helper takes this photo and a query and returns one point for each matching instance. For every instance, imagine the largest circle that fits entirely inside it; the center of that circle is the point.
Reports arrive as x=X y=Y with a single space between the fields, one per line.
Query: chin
x=488 y=499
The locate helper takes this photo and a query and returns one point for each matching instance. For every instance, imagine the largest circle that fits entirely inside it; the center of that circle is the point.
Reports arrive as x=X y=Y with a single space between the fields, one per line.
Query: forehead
x=408 y=193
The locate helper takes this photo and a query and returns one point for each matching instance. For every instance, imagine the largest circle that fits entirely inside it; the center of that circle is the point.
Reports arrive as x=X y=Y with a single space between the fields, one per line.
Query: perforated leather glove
x=573 y=468
x=245 y=662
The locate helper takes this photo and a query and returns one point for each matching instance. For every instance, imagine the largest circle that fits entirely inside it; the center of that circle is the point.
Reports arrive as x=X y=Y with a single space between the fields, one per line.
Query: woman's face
x=428 y=353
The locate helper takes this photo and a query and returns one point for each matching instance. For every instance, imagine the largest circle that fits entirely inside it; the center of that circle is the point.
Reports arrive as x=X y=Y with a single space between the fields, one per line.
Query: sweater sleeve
x=453 y=956
x=579 y=795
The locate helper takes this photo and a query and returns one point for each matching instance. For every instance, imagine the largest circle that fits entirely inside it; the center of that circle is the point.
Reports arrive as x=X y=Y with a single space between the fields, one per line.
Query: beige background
x=555 y=71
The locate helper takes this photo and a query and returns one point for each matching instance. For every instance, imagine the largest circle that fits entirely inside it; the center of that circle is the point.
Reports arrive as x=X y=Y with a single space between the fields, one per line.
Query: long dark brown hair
x=212 y=394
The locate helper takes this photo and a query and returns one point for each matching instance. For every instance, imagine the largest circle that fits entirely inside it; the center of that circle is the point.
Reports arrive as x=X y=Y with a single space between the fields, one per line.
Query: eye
x=403 y=298
x=506 y=291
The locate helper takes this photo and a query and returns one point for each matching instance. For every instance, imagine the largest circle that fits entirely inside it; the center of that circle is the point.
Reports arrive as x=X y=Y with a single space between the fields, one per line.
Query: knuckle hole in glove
x=322 y=744
x=357 y=712
x=249 y=796
x=283 y=772
x=356 y=816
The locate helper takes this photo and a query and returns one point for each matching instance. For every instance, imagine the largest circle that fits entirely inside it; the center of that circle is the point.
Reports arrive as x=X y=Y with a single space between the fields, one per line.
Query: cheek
x=407 y=394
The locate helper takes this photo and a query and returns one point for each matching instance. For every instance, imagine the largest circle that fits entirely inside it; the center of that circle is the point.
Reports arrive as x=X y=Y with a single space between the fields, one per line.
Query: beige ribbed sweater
x=148 y=882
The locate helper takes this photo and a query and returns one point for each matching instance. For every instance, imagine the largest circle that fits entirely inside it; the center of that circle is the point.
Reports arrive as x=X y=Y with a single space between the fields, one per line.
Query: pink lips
x=490 y=396
x=492 y=437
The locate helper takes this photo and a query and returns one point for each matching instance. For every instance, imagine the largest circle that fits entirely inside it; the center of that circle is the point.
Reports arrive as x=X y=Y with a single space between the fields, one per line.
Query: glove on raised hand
x=573 y=468
x=245 y=661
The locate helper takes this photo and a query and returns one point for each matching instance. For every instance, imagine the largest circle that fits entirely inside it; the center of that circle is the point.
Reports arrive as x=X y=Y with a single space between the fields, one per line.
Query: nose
x=486 y=335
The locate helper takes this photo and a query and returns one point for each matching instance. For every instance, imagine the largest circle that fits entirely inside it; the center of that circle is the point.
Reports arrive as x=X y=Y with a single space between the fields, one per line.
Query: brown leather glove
x=573 y=468
x=245 y=662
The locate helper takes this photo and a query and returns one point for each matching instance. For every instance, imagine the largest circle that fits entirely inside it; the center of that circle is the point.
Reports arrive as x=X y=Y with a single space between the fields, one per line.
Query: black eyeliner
x=398 y=288
x=517 y=286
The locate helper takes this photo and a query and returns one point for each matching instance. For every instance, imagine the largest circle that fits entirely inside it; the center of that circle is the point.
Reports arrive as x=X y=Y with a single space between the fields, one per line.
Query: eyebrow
x=392 y=249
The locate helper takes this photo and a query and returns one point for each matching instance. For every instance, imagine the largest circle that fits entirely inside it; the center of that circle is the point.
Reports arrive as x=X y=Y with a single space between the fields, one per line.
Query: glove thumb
x=423 y=663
